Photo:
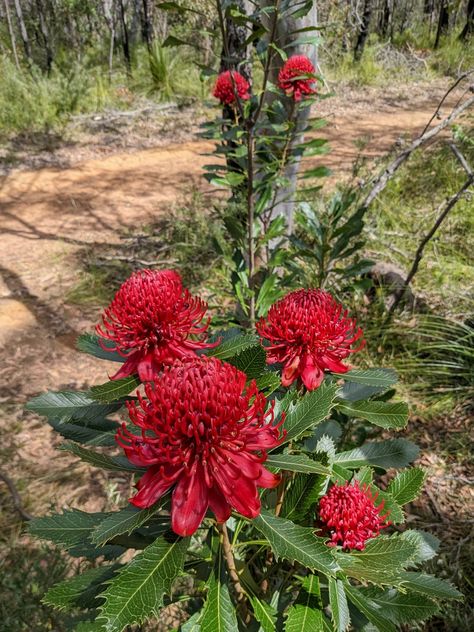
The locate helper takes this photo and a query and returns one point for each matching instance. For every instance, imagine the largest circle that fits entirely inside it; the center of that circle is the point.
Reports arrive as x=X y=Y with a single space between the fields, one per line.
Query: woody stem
x=234 y=576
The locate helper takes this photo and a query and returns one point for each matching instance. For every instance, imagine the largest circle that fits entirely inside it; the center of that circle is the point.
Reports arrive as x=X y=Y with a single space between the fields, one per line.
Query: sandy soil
x=48 y=214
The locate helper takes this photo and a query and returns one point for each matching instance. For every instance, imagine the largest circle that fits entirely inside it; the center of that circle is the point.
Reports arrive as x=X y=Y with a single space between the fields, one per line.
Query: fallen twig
x=15 y=497
x=381 y=181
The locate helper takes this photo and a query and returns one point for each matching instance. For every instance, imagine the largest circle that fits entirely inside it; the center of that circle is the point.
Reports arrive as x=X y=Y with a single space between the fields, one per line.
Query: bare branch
x=453 y=200
x=465 y=165
x=15 y=497
x=381 y=181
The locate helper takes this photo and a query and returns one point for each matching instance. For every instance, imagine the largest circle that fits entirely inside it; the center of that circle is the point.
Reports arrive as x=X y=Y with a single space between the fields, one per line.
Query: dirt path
x=47 y=215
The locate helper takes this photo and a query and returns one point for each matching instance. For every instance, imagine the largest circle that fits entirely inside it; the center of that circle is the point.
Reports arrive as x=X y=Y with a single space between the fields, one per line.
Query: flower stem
x=234 y=576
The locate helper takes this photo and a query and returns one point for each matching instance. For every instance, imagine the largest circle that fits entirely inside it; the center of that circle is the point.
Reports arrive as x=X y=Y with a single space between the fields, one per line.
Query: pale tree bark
x=286 y=34
x=23 y=31
x=11 y=33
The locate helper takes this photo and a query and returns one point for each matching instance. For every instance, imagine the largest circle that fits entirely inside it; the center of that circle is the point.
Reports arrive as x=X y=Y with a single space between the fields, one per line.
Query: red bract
x=205 y=433
x=296 y=77
x=229 y=85
x=350 y=516
x=151 y=320
x=309 y=333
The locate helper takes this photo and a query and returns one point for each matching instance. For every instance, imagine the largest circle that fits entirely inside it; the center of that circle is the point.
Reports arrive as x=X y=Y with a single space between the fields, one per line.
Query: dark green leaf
x=85 y=434
x=370 y=377
x=383 y=414
x=264 y=613
x=406 y=486
x=305 y=615
x=252 y=361
x=124 y=521
x=269 y=381
x=89 y=343
x=115 y=389
x=384 y=454
x=296 y=543
x=311 y=409
x=218 y=614
x=338 y=603
x=118 y=463
x=297 y=463
x=67 y=529
x=78 y=590
x=232 y=346
x=401 y=608
x=73 y=405
x=137 y=591
x=429 y=585
x=371 y=610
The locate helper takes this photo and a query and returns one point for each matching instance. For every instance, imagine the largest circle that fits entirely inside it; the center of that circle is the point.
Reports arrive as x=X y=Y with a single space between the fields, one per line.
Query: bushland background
x=100 y=174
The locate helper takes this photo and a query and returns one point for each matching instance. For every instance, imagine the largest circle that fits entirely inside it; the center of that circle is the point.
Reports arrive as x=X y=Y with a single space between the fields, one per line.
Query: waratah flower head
x=206 y=435
x=309 y=332
x=153 y=321
x=228 y=85
x=296 y=77
x=350 y=516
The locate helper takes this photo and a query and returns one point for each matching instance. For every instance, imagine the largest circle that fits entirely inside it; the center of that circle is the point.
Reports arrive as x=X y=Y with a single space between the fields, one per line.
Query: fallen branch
x=15 y=497
x=383 y=179
x=453 y=200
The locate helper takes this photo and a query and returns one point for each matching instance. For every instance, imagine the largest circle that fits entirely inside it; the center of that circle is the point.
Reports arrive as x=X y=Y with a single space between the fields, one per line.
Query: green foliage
x=294 y=543
x=297 y=463
x=339 y=607
x=67 y=529
x=115 y=389
x=71 y=405
x=312 y=409
x=406 y=486
x=305 y=615
x=383 y=414
x=384 y=454
x=124 y=521
x=218 y=614
x=81 y=590
x=117 y=463
x=137 y=591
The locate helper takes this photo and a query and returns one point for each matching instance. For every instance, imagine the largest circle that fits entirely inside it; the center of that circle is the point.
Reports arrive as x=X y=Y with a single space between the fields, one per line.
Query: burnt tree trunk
x=11 y=33
x=363 y=31
x=469 y=26
x=125 y=39
x=443 y=21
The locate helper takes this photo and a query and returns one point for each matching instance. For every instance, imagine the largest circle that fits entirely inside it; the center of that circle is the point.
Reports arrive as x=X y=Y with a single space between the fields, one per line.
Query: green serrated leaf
x=406 y=486
x=219 y=612
x=117 y=463
x=79 y=591
x=137 y=591
x=88 y=435
x=73 y=405
x=311 y=409
x=233 y=345
x=338 y=603
x=401 y=608
x=264 y=613
x=305 y=615
x=115 y=389
x=383 y=414
x=384 y=454
x=124 y=521
x=68 y=529
x=371 y=377
x=296 y=543
x=269 y=381
x=429 y=585
x=353 y=392
x=251 y=361
x=381 y=562
x=302 y=496
x=89 y=343
x=426 y=545
x=371 y=610
x=297 y=463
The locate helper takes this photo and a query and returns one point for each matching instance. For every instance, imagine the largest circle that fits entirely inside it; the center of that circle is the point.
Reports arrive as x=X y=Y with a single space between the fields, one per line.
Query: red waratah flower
x=309 y=333
x=296 y=77
x=205 y=433
x=350 y=516
x=228 y=85
x=151 y=320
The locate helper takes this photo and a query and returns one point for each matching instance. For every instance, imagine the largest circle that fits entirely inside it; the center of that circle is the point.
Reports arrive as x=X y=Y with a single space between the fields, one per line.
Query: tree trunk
x=443 y=21
x=364 y=30
x=386 y=17
x=284 y=203
x=236 y=53
x=147 y=24
x=125 y=39
x=45 y=35
x=23 y=31
x=12 y=33
x=469 y=26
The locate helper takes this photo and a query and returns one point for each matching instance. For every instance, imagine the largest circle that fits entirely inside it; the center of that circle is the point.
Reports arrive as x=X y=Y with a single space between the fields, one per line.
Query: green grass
x=405 y=212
